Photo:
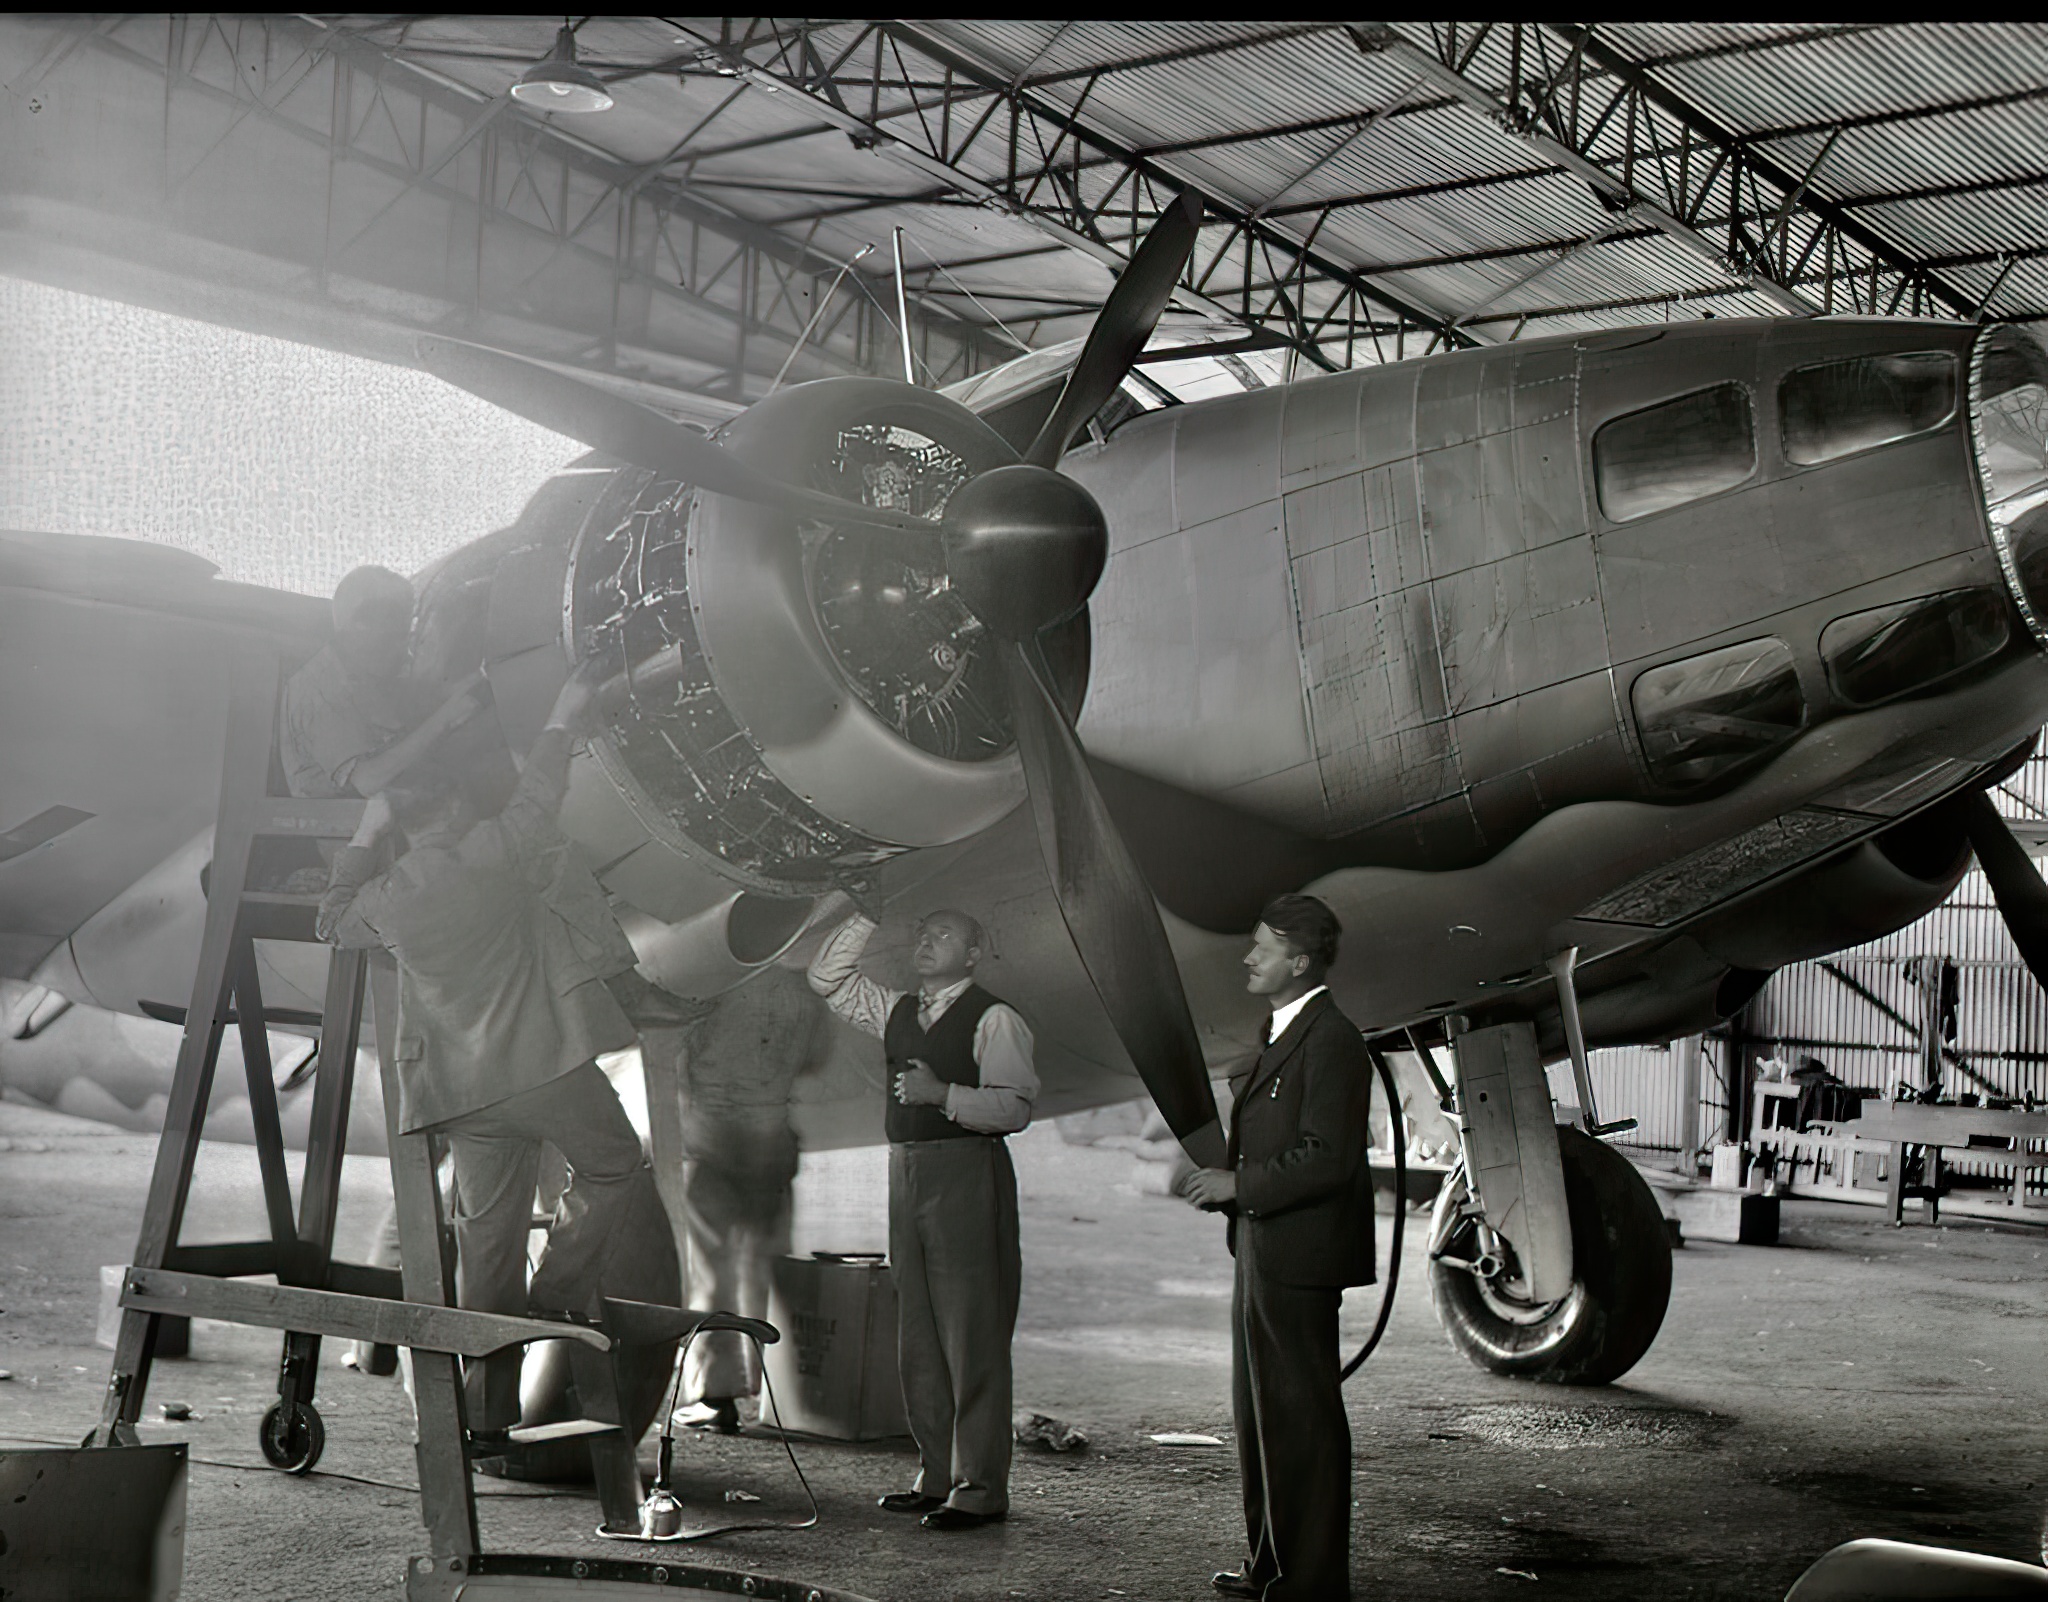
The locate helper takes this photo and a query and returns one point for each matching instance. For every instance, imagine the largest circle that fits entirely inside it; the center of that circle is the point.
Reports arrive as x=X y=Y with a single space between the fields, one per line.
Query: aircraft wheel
x=292 y=1437
x=1616 y=1305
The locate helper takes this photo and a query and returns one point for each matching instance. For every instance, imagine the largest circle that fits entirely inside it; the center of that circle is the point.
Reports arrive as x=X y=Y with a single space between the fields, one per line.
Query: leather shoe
x=957 y=1518
x=909 y=1502
x=721 y=1416
x=1234 y=1582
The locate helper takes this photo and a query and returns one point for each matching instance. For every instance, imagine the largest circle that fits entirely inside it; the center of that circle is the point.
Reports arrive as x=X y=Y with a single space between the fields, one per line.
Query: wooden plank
x=245 y=775
x=363 y=1318
x=447 y=1496
x=1945 y=1126
x=263 y=1118
x=341 y=1016
x=306 y=819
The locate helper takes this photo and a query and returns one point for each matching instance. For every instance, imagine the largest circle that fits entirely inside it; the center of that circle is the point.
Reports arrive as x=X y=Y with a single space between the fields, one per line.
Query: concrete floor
x=1855 y=1380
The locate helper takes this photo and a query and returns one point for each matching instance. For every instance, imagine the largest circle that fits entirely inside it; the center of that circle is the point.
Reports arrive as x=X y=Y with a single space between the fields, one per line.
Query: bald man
x=960 y=1079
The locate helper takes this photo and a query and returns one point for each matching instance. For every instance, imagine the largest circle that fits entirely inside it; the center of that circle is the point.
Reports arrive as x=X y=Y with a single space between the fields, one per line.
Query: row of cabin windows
x=1696 y=445
x=1707 y=717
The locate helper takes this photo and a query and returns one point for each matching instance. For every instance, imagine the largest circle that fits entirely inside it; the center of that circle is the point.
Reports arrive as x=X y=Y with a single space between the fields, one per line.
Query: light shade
x=557 y=83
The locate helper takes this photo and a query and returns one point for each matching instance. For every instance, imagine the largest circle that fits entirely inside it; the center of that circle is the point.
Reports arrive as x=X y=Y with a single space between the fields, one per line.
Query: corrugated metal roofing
x=1222 y=106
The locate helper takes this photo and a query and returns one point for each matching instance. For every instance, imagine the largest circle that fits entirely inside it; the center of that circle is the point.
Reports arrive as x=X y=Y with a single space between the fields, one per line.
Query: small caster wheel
x=292 y=1437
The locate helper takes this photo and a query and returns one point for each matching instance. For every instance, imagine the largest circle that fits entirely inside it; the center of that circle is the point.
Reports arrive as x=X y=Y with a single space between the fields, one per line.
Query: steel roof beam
x=1851 y=238
x=1528 y=126
x=1047 y=153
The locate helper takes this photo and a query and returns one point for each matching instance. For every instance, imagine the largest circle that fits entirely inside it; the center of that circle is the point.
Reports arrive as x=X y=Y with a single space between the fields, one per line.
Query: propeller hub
x=1024 y=547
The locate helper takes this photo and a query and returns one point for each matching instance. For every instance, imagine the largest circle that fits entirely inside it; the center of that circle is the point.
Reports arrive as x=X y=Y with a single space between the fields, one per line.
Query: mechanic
x=961 y=1079
x=737 y=1067
x=503 y=944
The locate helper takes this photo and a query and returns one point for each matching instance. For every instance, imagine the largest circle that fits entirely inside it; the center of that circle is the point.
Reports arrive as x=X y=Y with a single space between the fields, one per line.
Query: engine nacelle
x=836 y=704
x=1869 y=891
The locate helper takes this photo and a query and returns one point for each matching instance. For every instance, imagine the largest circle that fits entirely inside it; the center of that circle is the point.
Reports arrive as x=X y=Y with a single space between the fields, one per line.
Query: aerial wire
x=831 y=289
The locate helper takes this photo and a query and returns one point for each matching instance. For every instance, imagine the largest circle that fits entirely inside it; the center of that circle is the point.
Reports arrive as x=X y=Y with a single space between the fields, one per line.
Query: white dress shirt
x=1283 y=1016
x=1001 y=1104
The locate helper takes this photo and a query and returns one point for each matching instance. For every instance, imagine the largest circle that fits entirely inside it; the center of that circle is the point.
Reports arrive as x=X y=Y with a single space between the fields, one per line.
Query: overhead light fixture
x=557 y=83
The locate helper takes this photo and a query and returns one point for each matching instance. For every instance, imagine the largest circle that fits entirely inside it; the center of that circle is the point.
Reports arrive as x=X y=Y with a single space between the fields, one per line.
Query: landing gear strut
x=1621 y=1285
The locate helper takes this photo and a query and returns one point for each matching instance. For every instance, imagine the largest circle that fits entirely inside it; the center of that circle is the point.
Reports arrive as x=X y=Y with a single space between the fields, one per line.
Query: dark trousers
x=1293 y=1440
x=737 y=1201
x=957 y=1266
x=497 y=1167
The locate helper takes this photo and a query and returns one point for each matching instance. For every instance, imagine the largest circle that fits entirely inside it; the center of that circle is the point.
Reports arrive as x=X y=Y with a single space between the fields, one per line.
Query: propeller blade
x=2016 y=883
x=1110 y=912
x=1122 y=326
x=637 y=434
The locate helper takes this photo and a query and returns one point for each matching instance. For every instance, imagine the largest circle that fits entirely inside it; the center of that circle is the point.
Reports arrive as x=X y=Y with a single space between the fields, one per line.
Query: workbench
x=1865 y=1159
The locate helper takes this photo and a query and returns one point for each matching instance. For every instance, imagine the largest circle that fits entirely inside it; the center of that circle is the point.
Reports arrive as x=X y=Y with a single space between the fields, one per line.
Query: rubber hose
x=1399 y=1136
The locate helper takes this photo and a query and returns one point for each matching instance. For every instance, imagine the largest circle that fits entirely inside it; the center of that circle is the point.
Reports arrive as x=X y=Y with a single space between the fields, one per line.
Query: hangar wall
x=1869 y=1039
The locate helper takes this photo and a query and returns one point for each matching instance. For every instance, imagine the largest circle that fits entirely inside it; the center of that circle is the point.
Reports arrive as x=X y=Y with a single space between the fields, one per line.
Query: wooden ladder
x=315 y=1294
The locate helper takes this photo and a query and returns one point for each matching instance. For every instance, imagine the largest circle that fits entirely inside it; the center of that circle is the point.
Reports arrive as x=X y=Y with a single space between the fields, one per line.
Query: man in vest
x=960 y=1079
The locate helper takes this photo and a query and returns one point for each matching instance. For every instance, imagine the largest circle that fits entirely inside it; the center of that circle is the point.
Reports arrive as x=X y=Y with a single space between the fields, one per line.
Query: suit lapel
x=1275 y=1056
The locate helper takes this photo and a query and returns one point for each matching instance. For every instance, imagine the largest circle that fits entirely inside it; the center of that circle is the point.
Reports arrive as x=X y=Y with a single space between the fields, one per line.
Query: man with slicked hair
x=1298 y=1194
x=960 y=1079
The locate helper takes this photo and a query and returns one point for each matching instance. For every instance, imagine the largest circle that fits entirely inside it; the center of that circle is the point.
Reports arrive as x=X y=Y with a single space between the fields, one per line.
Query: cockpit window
x=1838 y=408
x=1914 y=645
x=1682 y=450
x=2012 y=423
x=1705 y=717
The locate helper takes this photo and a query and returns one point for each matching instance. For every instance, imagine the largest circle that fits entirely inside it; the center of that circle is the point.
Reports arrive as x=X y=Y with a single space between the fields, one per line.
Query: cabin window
x=1838 y=408
x=1894 y=650
x=1680 y=451
x=1706 y=717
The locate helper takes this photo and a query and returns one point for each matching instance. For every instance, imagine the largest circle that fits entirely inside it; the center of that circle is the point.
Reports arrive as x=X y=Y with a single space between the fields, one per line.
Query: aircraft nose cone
x=1024 y=547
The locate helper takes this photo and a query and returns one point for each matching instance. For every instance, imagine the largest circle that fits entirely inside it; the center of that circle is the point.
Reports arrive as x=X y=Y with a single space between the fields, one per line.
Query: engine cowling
x=837 y=705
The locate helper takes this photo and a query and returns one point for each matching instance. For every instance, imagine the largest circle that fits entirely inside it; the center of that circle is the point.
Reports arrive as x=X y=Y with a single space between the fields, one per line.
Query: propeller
x=1122 y=327
x=640 y=435
x=1023 y=545
x=2015 y=883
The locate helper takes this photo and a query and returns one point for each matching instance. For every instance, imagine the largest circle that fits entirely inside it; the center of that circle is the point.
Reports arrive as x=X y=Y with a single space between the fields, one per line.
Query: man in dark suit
x=1298 y=1193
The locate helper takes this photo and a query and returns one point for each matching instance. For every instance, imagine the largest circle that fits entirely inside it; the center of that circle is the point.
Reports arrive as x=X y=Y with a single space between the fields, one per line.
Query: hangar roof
x=1375 y=189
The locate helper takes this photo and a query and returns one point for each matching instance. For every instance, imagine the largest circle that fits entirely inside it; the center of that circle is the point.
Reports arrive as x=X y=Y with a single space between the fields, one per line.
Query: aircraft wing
x=114 y=662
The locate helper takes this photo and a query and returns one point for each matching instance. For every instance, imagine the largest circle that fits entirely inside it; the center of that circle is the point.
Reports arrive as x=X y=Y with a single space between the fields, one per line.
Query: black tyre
x=1622 y=1258
x=292 y=1437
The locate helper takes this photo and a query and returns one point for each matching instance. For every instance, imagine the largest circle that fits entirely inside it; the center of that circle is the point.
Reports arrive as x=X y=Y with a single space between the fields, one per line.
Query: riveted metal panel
x=1226 y=456
x=1319 y=434
x=1660 y=589
x=1447 y=401
x=1386 y=415
x=1520 y=623
x=1375 y=687
x=1470 y=508
x=1324 y=514
x=1132 y=478
x=1196 y=675
x=1393 y=519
